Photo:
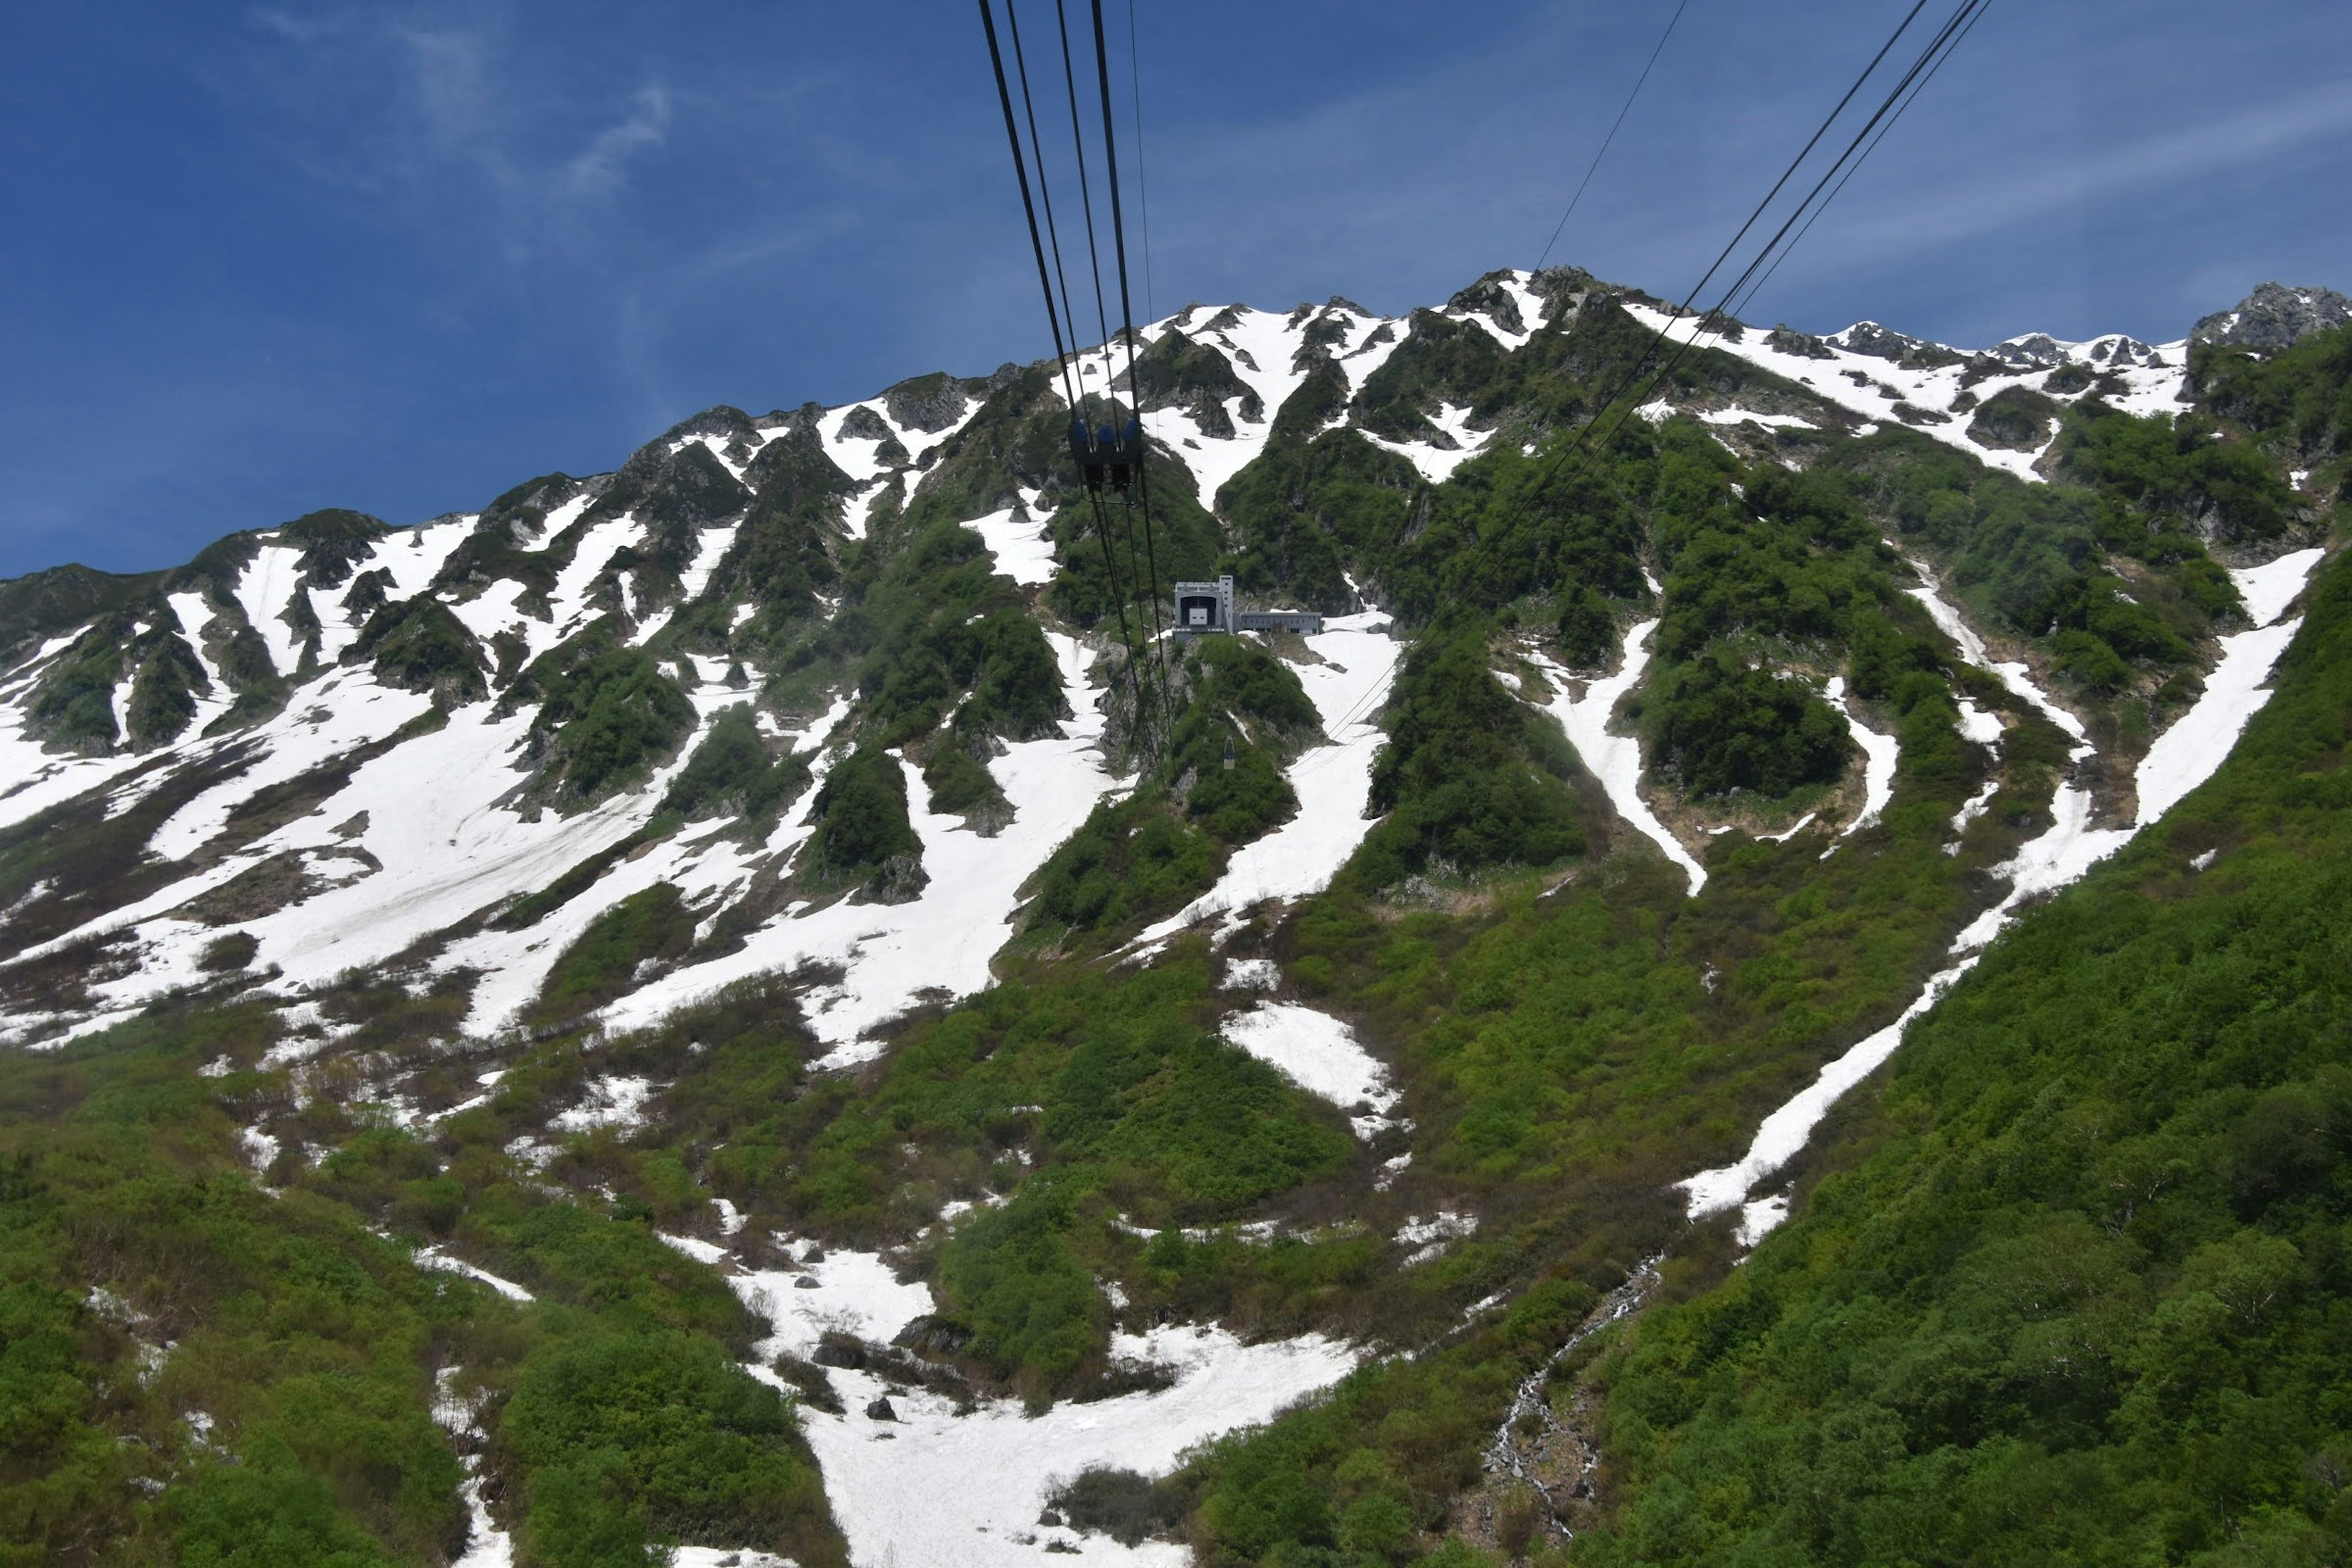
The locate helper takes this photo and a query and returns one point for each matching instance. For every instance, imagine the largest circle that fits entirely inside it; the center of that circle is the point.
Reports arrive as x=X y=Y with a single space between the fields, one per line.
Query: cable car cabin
x=1106 y=456
x=1206 y=608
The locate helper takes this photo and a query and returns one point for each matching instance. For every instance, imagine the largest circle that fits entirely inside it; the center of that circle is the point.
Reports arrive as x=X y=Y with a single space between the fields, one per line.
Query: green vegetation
x=931 y=632
x=1717 y=726
x=2077 y=1295
x=632 y=1436
x=607 y=714
x=649 y=927
x=863 y=832
x=2298 y=403
x=1129 y=861
x=960 y=784
x=1470 y=779
x=731 y=773
x=419 y=645
x=1152 y=1121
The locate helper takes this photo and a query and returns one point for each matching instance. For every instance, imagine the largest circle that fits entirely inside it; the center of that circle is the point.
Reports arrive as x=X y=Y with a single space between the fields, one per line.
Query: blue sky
x=264 y=259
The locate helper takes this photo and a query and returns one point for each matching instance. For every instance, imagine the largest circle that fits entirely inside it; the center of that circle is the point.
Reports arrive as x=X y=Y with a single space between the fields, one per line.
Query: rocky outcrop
x=2274 y=317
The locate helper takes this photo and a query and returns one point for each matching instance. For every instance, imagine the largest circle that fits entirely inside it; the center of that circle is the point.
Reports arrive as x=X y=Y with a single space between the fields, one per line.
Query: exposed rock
x=2274 y=317
x=929 y=403
x=881 y=1409
x=1877 y=341
x=933 y=1336
x=2039 y=350
x=1789 y=341
x=862 y=424
x=2015 y=419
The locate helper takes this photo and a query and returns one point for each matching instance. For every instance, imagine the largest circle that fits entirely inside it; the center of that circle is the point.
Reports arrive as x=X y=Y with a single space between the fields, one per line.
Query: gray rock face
x=862 y=424
x=926 y=403
x=1788 y=339
x=2037 y=349
x=1879 y=342
x=2274 y=317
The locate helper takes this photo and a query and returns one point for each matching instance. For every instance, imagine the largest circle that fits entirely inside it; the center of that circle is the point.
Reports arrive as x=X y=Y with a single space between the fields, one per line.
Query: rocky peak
x=1879 y=342
x=2274 y=317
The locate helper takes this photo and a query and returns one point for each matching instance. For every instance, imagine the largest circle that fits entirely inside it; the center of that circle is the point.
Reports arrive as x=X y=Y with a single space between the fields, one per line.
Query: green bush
x=602 y=965
x=607 y=715
x=1459 y=780
x=631 y=1437
x=861 y=818
x=2074 y=1290
x=730 y=773
x=419 y=645
x=1129 y=861
x=1716 y=725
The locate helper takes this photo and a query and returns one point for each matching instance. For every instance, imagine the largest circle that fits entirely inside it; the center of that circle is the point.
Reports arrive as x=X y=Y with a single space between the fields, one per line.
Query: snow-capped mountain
x=835 y=709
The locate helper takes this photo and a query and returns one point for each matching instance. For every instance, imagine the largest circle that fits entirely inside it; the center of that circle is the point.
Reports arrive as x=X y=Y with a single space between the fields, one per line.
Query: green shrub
x=1129 y=859
x=1717 y=726
x=861 y=818
x=607 y=714
x=731 y=772
x=1458 y=779
x=419 y=645
x=646 y=927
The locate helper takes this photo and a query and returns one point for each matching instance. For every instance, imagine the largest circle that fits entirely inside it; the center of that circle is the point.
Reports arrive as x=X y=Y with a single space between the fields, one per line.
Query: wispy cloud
x=449 y=122
x=601 y=166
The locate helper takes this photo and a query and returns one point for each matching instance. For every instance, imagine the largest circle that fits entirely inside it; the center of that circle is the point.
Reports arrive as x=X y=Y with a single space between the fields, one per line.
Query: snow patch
x=1320 y=1054
x=1615 y=760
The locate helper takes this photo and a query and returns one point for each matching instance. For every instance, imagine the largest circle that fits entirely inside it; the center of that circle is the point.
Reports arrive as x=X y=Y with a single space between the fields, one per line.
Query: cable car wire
x=1142 y=185
x=1929 y=59
x=1593 y=167
x=1052 y=320
x=1581 y=443
x=1920 y=87
x=1127 y=329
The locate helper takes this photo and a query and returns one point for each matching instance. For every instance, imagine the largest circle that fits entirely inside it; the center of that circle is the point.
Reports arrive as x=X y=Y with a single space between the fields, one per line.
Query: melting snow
x=1878 y=760
x=1334 y=781
x=1615 y=760
x=434 y=1257
x=942 y=942
x=1319 y=1054
x=1019 y=540
x=264 y=590
x=982 y=1478
x=614 y=1100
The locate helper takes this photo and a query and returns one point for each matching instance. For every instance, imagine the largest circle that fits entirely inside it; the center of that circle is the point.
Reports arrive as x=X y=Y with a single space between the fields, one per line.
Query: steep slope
x=741 y=934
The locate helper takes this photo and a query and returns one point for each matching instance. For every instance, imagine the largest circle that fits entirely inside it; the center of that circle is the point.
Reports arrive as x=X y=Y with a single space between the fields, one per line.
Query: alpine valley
x=1772 y=986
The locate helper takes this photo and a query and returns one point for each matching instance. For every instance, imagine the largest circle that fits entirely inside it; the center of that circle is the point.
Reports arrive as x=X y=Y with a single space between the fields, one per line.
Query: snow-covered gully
x=1350 y=687
x=1615 y=760
x=2183 y=757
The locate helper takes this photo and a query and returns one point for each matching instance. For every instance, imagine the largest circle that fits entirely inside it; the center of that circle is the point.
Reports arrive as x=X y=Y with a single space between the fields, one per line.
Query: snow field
x=2149 y=389
x=264 y=590
x=1878 y=760
x=895 y=954
x=1017 y=537
x=982 y=1478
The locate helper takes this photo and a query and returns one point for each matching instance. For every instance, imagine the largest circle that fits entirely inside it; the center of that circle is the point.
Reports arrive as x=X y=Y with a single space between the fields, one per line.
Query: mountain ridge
x=764 y=925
